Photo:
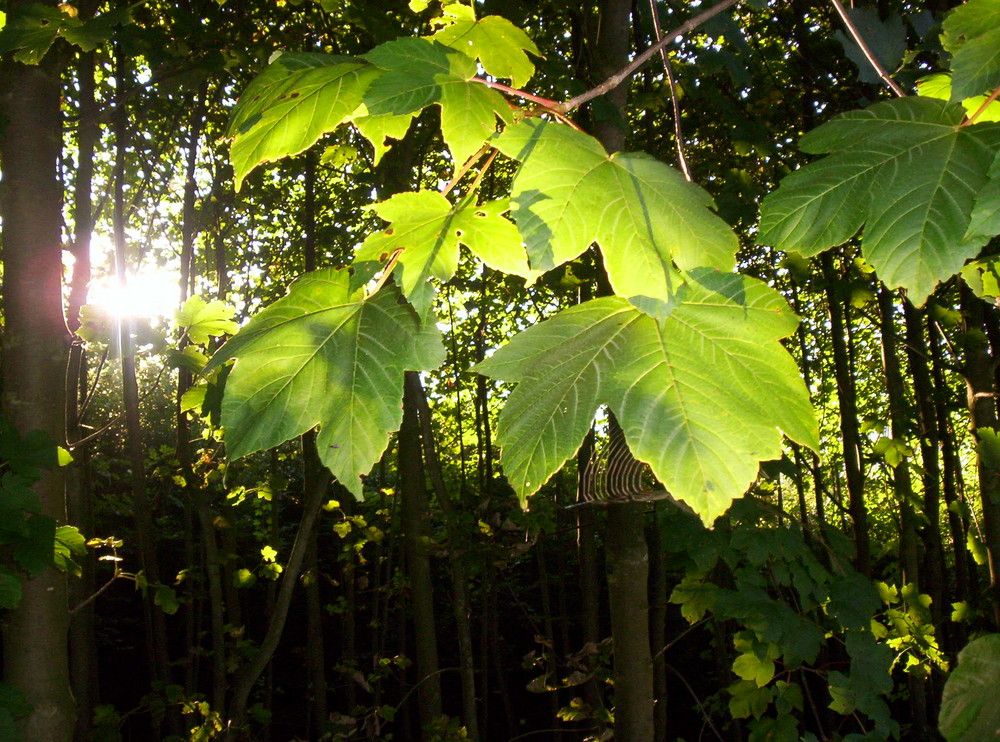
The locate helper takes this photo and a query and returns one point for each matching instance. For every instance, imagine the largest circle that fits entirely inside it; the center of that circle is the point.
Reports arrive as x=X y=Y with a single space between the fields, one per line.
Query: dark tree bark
x=83 y=645
x=978 y=370
x=416 y=535
x=35 y=345
x=849 y=429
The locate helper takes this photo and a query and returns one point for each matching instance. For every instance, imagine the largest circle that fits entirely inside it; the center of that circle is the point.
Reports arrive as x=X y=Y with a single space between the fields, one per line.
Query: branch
x=678 y=134
x=619 y=77
x=856 y=35
x=979 y=111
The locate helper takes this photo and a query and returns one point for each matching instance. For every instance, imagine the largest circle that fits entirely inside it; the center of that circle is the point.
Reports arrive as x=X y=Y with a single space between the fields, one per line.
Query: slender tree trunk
x=923 y=391
x=82 y=641
x=35 y=344
x=899 y=416
x=980 y=380
x=950 y=467
x=849 y=431
x=658 y=598
x=625 y=539
x=457 y=556
x=416 y=535
x=628 y=574
x=135 y=449
x=248 y=674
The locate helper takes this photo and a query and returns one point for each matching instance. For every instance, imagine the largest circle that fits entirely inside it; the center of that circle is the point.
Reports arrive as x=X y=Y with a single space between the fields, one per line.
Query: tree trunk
x=247 y=675
x=980 y=380
x=416 y=535
x=849 y=432
x=628 y=574
x=82 y=641
x=35 y=344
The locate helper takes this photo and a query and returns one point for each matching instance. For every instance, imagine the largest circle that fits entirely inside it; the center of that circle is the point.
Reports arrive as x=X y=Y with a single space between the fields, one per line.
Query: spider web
x=613 y=474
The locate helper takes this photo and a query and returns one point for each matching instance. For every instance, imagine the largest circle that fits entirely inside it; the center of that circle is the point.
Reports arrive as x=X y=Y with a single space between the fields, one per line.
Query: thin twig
x=544 y=102
x=94 y=596
x=979 y=111
x=701 y=707
x=619 y=77
x=678 y=134
x=856 y=35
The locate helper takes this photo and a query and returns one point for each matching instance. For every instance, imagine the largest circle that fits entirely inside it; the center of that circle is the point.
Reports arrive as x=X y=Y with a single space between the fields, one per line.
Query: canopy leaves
x=427 y=230
x=496 y=42
x=972 y=35
x=906 y=171
x=324 y=355
x=419 y=72
x=702 y=397
x=291 y=104
x=646 y=218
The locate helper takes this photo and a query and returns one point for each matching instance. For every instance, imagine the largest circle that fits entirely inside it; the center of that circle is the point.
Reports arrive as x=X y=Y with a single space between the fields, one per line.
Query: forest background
x=176 y=561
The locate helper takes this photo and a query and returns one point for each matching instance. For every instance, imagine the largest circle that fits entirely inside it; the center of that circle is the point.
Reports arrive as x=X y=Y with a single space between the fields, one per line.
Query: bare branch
x=865 y=49
x=619 y=77
x=678 y=134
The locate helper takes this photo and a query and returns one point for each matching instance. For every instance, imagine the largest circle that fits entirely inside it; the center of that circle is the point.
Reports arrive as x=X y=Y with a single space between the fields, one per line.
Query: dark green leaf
x=969 y=711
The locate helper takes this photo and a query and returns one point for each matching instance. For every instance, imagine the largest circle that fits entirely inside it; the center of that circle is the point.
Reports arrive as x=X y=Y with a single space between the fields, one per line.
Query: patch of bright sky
x=150 y=291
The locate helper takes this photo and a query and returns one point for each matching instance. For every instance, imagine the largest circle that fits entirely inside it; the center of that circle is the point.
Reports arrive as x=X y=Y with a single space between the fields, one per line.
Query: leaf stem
x=619 y=77
x=865 y=49
x=466 y=166
x=979 y=111
x=545 y=102
x=678 y=134
x=393 y=259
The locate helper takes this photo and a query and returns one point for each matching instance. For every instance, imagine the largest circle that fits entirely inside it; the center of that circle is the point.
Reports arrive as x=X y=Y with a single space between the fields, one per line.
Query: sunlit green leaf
x=324 y=355
x=291 y=104
x=427 y=230
x=646 y=218
x=702 y=397
x=203 y=320
x=496 y=42
x=906 y=171
x=419 y=73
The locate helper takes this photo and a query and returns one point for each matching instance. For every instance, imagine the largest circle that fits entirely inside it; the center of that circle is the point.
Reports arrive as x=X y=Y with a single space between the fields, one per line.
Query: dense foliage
x=451 y=338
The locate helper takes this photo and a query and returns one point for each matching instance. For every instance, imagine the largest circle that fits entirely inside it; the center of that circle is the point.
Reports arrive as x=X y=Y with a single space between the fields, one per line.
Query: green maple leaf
x=324 y=355
x=496 y=42
x=418 y=73
x=646 y=218
x=972 y=35
x=968 y=707
x=291 y=104
x=905 y=170
x=380 y=129
x=702 y=397
x=986 y=212
x=427 y=230
x=204 y=319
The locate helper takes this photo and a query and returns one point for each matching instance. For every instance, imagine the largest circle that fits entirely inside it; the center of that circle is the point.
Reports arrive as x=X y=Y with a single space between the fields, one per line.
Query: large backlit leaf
x=905 y=170
x=291 y=104
x=643 y=214
x=972 y=35
x=427 y=230
x=969 y=712
x=324 y=355
x=419 y=72
x=496 y=42
x=702 y=397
